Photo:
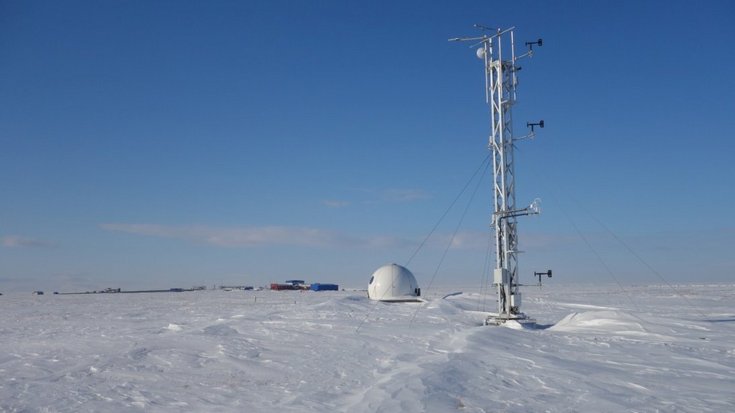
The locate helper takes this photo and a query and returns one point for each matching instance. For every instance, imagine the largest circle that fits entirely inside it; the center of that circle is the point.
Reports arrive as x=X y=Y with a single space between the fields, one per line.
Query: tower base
x=499 y=319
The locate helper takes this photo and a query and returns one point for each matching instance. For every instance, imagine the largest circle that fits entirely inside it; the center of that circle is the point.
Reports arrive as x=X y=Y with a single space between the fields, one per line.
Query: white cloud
x=254 y=236
x=481 y=240
x=471 y=240
x=404 y=195
x=372 y=196
x=312 y=237
x=13 y=241
x=333 y=203
x=393 y=195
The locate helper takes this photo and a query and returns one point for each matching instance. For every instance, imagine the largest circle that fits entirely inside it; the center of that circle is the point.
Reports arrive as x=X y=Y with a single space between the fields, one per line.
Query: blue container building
x=324 y=287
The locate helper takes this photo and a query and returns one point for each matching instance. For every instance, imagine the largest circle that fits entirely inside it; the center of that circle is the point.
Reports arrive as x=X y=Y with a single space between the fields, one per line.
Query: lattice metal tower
x=501 y=80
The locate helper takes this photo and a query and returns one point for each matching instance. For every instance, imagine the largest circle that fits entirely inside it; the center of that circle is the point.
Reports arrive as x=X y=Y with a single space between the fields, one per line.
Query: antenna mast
x=501 y=80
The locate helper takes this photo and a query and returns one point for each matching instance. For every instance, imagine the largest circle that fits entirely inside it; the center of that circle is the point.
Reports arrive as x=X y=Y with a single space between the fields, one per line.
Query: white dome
x=393 y=282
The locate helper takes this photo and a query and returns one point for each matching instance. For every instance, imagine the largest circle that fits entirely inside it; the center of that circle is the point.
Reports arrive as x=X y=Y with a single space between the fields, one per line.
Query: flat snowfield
x=594 y=349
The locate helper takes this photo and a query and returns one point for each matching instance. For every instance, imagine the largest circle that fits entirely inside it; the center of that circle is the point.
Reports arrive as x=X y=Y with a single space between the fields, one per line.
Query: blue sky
x=161 y=144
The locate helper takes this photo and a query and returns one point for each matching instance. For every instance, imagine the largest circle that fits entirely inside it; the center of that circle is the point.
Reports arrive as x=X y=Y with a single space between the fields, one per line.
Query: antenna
x=482 y=27
x=501 y=81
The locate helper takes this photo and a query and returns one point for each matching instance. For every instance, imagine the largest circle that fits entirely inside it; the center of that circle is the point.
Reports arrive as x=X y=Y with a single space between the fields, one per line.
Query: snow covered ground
x=595 y=349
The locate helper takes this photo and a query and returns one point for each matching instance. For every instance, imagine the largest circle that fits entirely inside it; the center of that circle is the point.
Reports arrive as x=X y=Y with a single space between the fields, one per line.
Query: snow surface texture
x=593 y=350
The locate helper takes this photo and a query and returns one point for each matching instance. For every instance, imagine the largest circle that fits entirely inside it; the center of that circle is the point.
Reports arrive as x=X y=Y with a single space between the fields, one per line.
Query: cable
x=602 y=262
x=646 y=264
x=588 y=243
x=626 y=246
x=464 y=188
x=447 y=210
x=451 y=240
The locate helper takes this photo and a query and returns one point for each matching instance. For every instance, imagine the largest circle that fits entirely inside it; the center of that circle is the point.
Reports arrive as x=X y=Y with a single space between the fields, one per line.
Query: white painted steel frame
x=500 y=94
x=500 y=80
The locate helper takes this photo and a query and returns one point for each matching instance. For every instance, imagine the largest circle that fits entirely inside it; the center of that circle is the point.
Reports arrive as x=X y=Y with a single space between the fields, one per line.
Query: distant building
x=290 y=285
x=324 y=287
x=235 y=287
x=283 y=287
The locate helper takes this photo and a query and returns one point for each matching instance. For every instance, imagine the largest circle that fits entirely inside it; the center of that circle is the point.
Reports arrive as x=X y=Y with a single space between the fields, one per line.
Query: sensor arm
x=533 y=209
